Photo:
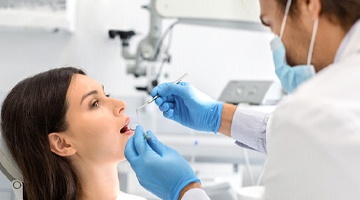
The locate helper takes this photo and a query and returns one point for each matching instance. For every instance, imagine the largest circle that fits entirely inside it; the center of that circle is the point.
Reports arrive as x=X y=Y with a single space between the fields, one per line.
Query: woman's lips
x=129 y=132
x=126 y=130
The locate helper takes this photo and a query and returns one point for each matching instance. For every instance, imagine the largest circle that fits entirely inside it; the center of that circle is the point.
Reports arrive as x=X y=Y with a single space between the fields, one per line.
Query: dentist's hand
x=188 y=106
x=159 y=169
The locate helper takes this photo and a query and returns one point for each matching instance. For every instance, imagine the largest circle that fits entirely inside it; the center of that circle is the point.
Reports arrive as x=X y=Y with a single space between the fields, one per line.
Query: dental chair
x=9 y=168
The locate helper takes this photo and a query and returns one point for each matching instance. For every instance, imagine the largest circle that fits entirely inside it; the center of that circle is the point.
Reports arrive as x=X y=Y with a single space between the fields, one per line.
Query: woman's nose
x=119 y=106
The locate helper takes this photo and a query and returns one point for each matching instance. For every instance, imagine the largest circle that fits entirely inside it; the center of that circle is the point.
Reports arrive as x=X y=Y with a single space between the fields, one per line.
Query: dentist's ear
x=314 y=8
x=59 y=145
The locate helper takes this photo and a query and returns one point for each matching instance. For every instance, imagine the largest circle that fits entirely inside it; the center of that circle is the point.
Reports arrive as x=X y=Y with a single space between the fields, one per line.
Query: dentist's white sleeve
x=248 y=128
x=195 y=193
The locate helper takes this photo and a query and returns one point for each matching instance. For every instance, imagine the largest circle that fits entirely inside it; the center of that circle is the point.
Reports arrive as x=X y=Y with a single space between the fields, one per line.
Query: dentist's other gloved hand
x=188 y=106
x=159 y=169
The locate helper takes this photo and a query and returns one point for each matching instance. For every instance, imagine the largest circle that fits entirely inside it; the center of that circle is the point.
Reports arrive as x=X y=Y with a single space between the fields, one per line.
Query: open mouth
x=124 y=129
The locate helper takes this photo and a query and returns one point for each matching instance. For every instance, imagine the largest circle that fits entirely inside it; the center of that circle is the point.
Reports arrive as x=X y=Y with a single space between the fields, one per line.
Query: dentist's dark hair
x=344 y=12
x=34 y=108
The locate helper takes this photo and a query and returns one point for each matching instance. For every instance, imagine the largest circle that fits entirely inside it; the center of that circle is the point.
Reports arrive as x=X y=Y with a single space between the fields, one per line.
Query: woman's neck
x=99 y=182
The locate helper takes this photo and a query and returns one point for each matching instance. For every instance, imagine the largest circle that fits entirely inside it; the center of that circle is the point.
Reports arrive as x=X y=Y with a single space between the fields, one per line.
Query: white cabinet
x=38 y=14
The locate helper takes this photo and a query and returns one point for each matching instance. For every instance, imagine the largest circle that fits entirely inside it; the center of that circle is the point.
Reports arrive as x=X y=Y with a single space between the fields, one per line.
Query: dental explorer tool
x=155 y=97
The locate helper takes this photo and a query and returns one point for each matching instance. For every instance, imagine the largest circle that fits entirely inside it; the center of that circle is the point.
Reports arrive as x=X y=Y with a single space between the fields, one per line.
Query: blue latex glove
x=159 y=169
x=188 y=106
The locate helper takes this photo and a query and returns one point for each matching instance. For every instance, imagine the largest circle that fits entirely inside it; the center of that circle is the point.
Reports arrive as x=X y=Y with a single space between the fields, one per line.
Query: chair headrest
x=7 y=164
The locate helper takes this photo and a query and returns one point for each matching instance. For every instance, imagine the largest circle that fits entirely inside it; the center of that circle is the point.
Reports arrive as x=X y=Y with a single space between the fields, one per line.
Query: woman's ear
x=59 y=145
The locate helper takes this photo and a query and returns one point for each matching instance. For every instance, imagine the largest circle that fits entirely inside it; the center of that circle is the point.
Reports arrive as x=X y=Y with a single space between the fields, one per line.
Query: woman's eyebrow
x=88 y=94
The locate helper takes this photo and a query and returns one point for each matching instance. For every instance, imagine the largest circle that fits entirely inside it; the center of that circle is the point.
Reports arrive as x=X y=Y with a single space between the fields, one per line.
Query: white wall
x=210 y=56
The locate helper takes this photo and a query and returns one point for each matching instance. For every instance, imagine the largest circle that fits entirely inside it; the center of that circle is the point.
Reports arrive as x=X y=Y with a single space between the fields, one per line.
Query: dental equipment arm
x=243 y=14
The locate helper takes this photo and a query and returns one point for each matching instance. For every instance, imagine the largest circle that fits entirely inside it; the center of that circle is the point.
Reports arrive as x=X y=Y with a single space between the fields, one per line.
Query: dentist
x=312 y=139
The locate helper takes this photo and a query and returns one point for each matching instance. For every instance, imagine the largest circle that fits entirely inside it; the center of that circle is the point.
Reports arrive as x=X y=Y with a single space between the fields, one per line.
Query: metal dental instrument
x=133 y=125
x=155 y=97
x=147 y=137
x=133 y=128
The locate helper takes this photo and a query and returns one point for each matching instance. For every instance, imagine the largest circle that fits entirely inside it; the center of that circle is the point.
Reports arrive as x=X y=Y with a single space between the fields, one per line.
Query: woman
x=66 y=135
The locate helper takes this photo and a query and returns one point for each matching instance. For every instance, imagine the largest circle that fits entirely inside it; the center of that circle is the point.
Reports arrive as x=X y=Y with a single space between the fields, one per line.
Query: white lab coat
x=314 y=145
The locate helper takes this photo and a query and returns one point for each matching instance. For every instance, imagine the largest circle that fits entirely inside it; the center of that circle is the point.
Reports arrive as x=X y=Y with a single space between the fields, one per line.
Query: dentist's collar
x=346 y=40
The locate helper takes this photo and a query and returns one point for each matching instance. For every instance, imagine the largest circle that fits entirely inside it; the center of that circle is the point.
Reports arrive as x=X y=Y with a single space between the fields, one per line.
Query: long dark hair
x=344 y=12
x=34 y=108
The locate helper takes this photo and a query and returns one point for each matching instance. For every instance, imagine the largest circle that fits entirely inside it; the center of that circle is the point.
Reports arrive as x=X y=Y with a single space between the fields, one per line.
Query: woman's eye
x=107 y=95
x=95 y=104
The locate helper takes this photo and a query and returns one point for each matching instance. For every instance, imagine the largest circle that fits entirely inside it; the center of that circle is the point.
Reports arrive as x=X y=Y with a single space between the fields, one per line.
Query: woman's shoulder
x=125 y=196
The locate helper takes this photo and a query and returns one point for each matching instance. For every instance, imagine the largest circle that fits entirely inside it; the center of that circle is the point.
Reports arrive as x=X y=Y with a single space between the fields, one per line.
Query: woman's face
x=97 y=124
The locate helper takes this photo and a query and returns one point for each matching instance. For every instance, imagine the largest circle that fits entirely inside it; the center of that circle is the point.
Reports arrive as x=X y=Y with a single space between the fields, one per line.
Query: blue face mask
x=291 y=77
